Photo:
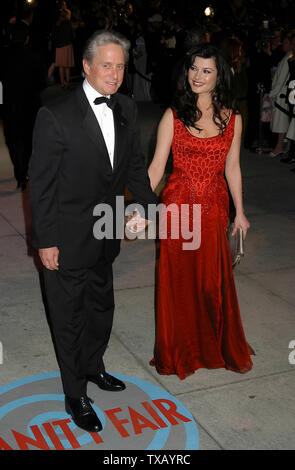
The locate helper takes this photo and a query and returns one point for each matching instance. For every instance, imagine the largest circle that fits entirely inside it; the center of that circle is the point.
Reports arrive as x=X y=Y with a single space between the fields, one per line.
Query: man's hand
x=49 y=257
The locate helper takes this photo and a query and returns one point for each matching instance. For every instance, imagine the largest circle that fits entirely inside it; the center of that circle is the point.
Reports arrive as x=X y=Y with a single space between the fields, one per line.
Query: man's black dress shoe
x=83 y=414
x=107 y=382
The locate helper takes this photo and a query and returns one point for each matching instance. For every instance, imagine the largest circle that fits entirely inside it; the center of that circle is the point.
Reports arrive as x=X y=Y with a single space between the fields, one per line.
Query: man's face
x=106 y=71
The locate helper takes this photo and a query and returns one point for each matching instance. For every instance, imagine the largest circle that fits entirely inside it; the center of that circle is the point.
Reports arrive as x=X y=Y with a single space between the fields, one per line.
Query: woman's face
x=202 y=75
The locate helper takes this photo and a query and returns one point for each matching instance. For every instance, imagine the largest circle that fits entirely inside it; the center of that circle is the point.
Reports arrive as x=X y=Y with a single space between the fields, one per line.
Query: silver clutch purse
x=236 y=244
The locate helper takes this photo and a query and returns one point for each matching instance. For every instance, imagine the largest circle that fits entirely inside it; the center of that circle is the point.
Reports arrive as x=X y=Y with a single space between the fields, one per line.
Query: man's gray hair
x=101 y=38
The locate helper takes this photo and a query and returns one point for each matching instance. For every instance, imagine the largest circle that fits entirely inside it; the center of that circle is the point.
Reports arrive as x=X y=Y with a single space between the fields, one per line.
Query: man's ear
x=85 y=66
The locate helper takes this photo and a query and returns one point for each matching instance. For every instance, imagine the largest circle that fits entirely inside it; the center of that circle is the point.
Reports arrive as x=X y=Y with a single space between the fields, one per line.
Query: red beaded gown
x=198 y=323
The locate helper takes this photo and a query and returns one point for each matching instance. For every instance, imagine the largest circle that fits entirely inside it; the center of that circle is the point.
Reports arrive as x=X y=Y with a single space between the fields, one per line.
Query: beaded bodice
x=198 y=169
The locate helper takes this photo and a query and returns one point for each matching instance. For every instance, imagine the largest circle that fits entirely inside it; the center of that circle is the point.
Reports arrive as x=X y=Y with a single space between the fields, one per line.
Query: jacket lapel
x=92 y=128
x=120 y=134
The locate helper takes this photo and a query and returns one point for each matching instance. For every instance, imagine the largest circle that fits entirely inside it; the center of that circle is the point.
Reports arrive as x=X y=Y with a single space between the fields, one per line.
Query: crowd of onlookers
x=257 y=37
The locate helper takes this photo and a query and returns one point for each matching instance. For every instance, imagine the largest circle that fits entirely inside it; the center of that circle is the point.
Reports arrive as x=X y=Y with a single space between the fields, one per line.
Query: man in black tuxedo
x=86 y=150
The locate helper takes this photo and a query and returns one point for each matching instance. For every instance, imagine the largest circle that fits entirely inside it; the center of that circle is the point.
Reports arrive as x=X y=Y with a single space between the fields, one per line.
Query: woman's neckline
x=213 y=136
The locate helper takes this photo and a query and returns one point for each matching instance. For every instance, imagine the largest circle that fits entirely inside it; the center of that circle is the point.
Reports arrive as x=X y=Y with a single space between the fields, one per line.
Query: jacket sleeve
x=138 y=178
x=44 y=167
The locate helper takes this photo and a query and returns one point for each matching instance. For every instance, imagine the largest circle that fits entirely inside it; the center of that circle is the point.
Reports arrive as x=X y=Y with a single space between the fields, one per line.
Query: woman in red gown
x=198 y=323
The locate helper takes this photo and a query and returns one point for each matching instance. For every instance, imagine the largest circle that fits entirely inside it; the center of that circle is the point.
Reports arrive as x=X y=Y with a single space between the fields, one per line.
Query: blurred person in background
x=63 y=39
x=290 y=99
x=155 y=52
x=276 y=45
x=141 y=80
x=281 y=115
x=233 y=48
x=24 y=76
x=259 y=82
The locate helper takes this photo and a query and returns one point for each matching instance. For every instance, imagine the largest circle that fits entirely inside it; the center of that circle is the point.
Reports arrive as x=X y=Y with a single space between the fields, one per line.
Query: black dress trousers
x=81 y=309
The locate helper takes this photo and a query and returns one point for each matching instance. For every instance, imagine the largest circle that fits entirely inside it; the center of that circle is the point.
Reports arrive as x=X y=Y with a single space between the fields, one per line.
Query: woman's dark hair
x=185 y=102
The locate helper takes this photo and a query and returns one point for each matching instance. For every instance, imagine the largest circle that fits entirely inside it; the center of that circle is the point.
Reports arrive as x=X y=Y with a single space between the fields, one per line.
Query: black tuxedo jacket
x=70 y=173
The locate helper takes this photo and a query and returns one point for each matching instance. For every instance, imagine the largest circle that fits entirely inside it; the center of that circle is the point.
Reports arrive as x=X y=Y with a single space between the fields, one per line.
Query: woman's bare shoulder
x=167 y=117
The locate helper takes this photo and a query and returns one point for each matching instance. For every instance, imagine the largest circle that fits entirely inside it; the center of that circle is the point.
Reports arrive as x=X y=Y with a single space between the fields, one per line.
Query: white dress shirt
x=104 y=116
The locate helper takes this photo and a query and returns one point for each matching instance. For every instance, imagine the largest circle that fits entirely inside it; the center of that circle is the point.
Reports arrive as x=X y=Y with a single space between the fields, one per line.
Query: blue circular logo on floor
x=143 y=417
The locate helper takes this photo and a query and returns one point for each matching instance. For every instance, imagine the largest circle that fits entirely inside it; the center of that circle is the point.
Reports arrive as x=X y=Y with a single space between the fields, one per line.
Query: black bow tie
x=109 y=101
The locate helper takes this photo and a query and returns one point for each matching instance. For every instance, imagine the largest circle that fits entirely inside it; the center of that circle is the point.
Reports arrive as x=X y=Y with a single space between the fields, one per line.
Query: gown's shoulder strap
x=174 y=112
x=231 y=122
x=233 y=118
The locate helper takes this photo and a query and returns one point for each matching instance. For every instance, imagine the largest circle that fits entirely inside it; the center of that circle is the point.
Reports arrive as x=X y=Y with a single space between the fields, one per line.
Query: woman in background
x=63 y=37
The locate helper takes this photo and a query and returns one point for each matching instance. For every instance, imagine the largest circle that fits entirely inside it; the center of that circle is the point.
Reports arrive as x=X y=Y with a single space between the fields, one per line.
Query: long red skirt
x=198 y=322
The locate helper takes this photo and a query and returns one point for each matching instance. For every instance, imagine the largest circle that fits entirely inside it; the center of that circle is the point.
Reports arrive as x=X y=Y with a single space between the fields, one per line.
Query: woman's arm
x=164 y=141
x=234 y=178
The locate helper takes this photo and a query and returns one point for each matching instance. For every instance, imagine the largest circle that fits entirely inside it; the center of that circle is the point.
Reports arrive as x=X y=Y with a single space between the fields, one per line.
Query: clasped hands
x=136 y=223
